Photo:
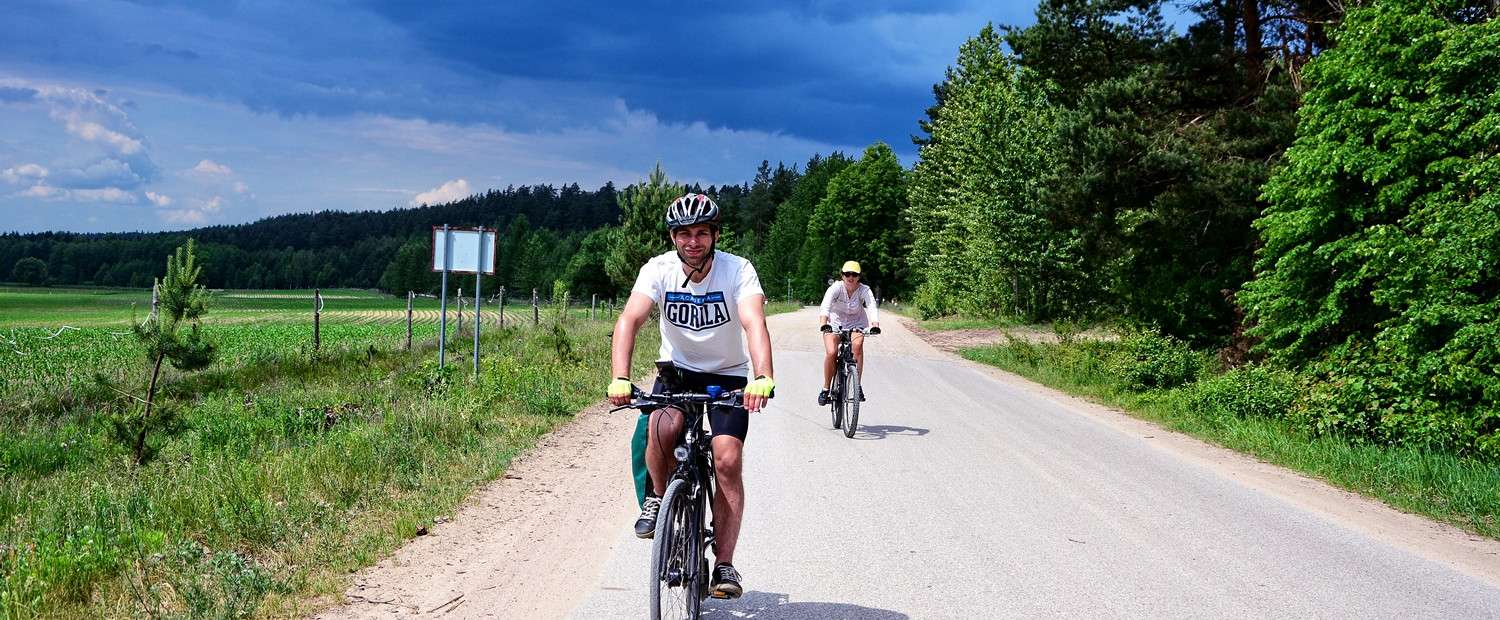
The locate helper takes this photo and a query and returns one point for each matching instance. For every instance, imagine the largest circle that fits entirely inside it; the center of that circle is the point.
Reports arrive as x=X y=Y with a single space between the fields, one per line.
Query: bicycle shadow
x=776 y=606
x=872 y=432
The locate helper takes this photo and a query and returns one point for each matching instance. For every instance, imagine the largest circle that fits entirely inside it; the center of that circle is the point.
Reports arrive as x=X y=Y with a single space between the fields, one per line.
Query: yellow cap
x=850 y=266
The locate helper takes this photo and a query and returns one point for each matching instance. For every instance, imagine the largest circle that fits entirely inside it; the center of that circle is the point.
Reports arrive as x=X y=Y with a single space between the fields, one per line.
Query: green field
x=281 y=470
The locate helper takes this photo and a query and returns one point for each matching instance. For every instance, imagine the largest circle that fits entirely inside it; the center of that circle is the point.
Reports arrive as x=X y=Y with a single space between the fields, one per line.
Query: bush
x=1250 y=391
x=1147 y=360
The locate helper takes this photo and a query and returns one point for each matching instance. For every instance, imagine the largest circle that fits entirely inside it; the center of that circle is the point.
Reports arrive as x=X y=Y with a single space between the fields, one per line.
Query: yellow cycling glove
x=619 y=387
x=761 y=386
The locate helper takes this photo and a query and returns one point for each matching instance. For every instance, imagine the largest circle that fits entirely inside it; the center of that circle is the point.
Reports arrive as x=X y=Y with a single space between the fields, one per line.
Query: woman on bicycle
x=847 y=304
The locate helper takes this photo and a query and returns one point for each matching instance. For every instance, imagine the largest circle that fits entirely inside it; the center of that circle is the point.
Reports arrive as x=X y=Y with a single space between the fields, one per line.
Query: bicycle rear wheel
x=676 y=557
x=851 y=399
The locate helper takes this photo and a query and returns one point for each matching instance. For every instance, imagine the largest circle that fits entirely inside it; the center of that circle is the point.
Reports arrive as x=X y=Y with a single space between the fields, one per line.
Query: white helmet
x=692 y=209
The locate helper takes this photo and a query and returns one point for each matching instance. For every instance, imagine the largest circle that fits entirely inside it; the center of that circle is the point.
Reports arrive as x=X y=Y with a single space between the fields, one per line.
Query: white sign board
x=466 y=251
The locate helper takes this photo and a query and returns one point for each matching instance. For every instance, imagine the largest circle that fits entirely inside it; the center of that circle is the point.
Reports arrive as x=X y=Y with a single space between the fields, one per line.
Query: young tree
x=643 y=231
x=983 y=241
x=30 y=270
x=783 y=253
x=862 y=217
x=180 y=301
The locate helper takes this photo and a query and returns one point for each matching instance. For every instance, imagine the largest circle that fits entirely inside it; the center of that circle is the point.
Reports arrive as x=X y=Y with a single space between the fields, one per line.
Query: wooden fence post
x=536 y=313
x=317 y=320
x=502 y=307
x=409 y=295
x=593 y=305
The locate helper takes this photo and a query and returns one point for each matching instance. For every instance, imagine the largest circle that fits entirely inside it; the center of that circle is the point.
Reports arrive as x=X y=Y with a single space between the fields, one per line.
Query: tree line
x=1310 y=185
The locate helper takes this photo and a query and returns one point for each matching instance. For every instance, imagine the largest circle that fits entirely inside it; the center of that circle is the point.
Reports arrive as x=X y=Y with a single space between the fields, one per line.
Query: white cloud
x=94 y=132
x=209 y=166
x=195 y=215
x=240 y=187
x=105 y=194
x=159 y=199
x=41 y=191
x=23 y=173
x=457 y=189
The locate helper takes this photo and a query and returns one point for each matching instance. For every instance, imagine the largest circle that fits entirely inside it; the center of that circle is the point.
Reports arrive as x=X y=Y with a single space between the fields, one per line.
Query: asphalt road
x=967 y=494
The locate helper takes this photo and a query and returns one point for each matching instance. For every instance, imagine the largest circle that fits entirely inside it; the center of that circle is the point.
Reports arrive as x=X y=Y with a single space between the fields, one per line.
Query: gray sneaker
x=645 y=526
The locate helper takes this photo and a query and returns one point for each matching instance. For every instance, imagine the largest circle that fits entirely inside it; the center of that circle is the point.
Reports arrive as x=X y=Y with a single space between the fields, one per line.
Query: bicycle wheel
x=836 y=401
x=851 y=399
x=675 y=557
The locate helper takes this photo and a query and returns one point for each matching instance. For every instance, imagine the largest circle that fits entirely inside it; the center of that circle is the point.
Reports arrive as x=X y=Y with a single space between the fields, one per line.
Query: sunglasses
x=851 y=273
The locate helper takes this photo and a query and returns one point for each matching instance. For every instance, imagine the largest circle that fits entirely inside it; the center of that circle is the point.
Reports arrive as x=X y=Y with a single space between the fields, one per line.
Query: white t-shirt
x=700 y=322
x=845 y=311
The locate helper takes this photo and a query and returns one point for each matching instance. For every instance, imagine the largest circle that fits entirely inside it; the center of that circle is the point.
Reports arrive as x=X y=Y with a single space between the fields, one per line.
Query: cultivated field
x=56 y=344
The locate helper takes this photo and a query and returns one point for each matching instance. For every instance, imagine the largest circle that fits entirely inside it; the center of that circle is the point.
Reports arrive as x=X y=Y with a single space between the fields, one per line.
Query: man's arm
x=622 y=346
x=753 y=317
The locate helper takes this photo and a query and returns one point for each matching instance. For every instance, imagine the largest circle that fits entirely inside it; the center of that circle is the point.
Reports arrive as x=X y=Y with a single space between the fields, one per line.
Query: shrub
x=1147 y=360
x=1249 y=391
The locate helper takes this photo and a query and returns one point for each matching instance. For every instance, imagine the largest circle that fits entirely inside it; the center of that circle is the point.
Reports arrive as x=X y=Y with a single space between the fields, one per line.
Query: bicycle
x=679 y=574
x=843 y=392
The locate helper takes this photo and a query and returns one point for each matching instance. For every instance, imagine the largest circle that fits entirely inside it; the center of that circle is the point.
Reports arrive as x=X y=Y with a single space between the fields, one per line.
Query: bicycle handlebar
x=642 y=399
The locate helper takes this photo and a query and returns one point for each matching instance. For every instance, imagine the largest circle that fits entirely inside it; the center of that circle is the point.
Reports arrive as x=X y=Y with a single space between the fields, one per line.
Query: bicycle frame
x=693 y=450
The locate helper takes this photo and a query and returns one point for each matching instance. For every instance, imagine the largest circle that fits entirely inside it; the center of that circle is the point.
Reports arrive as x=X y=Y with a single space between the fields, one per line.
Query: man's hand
x=619 y=391
x=826 y=328
x=757 y=392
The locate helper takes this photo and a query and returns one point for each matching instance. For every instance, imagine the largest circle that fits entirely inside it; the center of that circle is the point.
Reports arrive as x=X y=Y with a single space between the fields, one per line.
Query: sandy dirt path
x=967 y=493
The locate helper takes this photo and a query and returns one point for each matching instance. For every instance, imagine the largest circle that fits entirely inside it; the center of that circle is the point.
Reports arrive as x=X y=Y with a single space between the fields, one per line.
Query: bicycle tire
x=851 y=399
x=677 y=546
x=836 y=401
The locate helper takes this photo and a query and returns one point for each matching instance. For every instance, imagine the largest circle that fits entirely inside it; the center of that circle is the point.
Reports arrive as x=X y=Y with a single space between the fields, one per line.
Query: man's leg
x=662 y=432
x=666 y=426
x=729 y=497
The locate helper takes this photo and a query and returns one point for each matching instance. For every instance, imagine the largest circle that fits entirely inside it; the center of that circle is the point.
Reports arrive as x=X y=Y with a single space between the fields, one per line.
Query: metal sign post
x=478 y=309
x=443 y=322
x=452 y=251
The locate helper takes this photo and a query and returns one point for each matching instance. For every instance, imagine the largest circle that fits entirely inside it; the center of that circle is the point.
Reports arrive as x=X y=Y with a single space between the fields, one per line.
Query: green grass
x=780 y=307
x=282 y=474
x=953 y=323
x=1460 y=491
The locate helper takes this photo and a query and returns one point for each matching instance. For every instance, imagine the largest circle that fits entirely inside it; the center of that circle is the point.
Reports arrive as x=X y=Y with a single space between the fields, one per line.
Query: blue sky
x=160 y=114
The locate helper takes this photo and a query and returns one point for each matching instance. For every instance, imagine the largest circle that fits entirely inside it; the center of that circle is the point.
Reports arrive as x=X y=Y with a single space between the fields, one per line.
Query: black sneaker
x=726 y=582
x=645 y=526
x=861 y=393
x=823 y=398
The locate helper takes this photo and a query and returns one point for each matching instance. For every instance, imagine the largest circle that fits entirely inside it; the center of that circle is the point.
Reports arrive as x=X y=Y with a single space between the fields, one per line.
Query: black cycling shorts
x=722 y=419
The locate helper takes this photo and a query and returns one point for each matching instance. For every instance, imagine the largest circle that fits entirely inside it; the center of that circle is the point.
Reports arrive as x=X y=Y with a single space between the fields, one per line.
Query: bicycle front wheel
x=676 y=554
x=851 y=399
x=836 y=400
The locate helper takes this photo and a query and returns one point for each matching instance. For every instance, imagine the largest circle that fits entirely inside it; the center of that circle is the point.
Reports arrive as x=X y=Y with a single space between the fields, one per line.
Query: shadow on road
x=872 y=432
x=774 y=606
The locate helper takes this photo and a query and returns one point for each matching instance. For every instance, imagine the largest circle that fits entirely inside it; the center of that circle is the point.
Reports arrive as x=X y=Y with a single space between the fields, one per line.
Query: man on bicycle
x=847 y=304
x=711 y=303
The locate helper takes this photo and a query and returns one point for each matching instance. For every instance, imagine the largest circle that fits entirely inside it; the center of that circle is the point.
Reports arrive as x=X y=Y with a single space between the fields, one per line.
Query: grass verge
x=271 y=490
x=1461 y=491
